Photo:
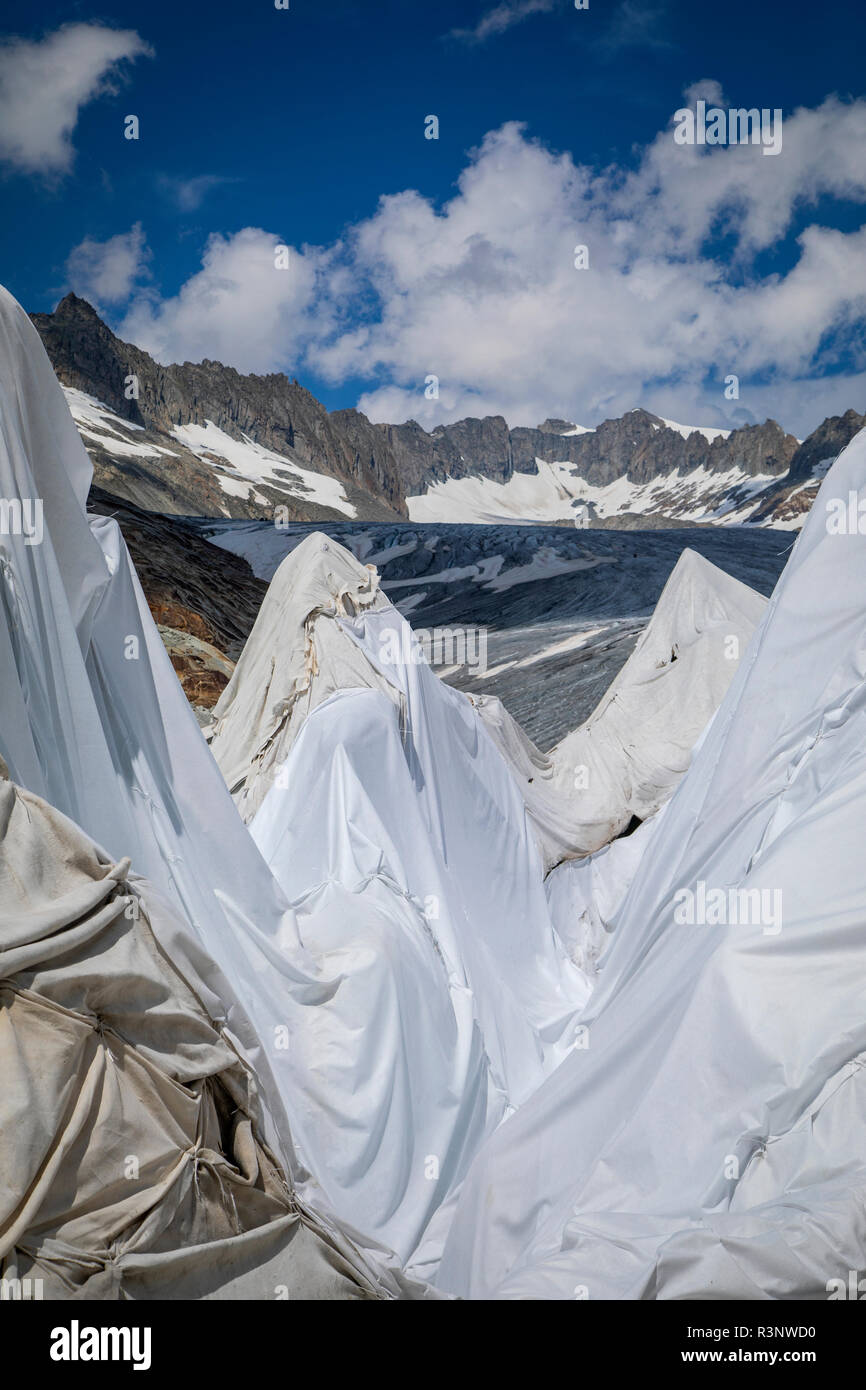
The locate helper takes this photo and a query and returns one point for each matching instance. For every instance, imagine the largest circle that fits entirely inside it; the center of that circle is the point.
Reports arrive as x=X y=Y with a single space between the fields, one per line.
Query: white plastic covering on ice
x=417 y=877
x=295 y=658
x=400 y=980
x=392 y=817
x=93 y=720
x=629 y=755
x=710 y=1139
x=585 y=895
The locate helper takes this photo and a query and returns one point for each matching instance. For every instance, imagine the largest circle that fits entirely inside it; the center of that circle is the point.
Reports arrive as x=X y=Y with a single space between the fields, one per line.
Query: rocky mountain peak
x=72 y=306
x=379 y=466
x=825 y=443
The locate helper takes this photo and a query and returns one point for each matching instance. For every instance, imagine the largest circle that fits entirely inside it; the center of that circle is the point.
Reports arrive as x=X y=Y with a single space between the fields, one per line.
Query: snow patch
x=257 y=465
x=707 y=431
x=555 y=492
x=98 y=423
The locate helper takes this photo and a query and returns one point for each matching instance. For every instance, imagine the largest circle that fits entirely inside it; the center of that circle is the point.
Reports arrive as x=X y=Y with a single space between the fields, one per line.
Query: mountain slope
x=787 y=503
x=203 y=440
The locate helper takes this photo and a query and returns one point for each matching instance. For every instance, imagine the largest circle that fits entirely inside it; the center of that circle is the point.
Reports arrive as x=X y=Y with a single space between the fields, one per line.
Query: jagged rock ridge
x=167 y=449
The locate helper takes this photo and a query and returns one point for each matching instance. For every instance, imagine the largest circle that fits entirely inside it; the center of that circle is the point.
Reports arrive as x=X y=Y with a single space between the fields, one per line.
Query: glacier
x=447 y=989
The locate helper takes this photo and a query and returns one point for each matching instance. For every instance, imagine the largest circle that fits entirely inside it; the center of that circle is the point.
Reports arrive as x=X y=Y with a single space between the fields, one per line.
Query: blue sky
x=261 y=126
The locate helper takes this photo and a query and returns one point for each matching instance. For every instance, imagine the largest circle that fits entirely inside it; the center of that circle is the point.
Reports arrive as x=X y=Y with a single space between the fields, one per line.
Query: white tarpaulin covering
x=92 y=718
x=295 y=658
x=415 y=876
x=384 y=1115
x=710 y=1141
x=585 y=895
x=395 y=823
x=400 y=980
x=629 y=755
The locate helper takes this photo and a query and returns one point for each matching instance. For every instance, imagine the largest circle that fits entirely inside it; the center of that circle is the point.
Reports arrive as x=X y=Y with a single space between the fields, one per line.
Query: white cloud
x=687 y=192
x=107 y=272
x=483 y=292
x=238 y=309
x=44 y=84
x=501 y=17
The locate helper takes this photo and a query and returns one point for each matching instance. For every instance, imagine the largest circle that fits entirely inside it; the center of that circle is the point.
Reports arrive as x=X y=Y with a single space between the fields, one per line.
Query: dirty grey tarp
x=131 y=1162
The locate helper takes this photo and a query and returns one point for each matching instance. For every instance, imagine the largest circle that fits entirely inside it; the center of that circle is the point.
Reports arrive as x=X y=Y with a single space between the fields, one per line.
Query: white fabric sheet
x=626 y=759
x=419 y=876
x=710 y=1140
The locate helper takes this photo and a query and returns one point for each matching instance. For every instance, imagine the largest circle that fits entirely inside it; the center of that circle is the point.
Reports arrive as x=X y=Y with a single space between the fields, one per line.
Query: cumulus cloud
x=44 y=85
x=501 y=17
x=243 y=307
x=483 y=292
x=485 y=295
x=107 y=272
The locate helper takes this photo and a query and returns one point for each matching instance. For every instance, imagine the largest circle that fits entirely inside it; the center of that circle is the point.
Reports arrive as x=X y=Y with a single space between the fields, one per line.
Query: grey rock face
x=826 y=442
x=639 y=446
x=793 y=495
x=271 y=410
x=460 y=450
